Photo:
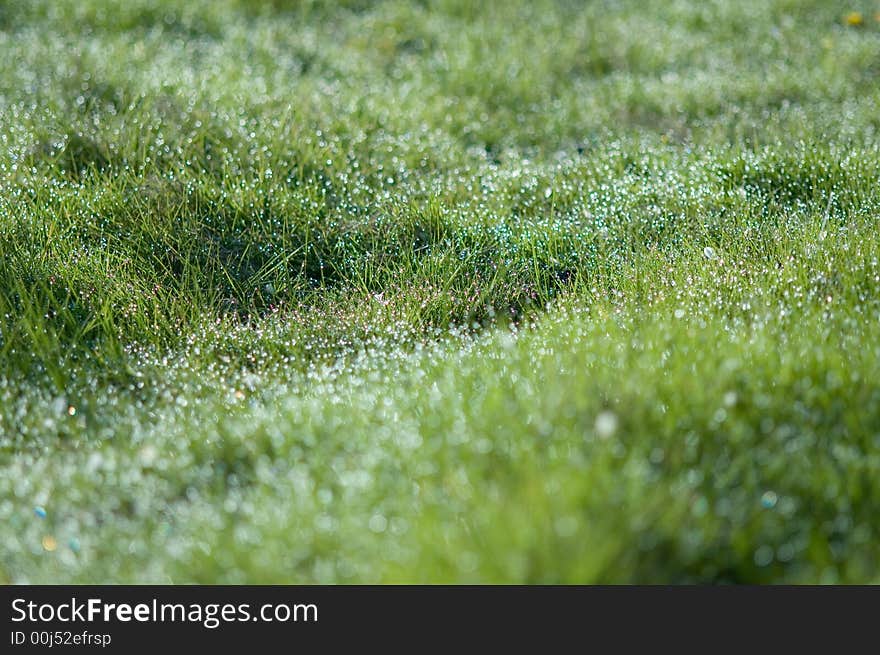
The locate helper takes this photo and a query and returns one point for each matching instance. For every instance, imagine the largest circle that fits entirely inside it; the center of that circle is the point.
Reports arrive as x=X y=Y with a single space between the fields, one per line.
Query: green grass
x=543 y=292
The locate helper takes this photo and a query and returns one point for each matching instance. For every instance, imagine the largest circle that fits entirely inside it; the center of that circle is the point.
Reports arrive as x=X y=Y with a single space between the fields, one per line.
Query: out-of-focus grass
x=439 y=291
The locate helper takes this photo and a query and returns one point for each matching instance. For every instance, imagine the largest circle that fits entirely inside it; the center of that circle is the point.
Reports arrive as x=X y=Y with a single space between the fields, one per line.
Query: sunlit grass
x=439 y=292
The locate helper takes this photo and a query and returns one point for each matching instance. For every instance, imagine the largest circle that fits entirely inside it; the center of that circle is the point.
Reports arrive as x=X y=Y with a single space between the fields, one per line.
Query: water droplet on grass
x=763 y=556
x=148 y=455
x=606 y=424
x=566 y=526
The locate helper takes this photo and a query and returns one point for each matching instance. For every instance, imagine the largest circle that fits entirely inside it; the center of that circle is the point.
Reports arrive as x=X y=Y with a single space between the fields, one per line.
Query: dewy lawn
x=522 y=292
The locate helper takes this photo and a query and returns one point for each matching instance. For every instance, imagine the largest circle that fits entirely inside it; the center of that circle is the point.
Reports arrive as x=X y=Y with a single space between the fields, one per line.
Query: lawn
x=439 y=291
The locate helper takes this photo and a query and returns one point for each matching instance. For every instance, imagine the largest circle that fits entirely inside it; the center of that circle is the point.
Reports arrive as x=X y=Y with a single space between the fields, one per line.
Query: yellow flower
x=854 y=19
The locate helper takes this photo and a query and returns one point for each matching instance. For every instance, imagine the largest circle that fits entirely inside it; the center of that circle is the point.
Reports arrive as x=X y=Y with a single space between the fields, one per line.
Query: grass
x=537 y=292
